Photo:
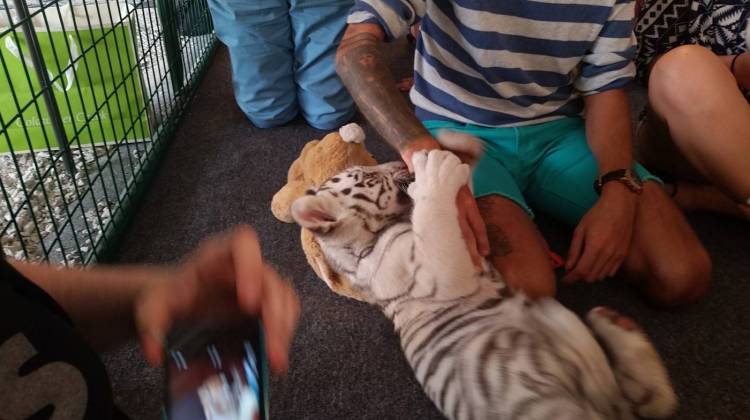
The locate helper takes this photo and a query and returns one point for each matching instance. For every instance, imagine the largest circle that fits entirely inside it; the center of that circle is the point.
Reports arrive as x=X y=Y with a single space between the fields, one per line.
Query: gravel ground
x=69 y=215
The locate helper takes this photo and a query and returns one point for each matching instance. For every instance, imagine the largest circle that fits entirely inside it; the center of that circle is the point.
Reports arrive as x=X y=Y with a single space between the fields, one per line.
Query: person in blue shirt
x=282 y=55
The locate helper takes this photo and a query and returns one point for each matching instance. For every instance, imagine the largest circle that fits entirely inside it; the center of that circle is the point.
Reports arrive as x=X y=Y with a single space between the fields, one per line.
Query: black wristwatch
x=626 y=177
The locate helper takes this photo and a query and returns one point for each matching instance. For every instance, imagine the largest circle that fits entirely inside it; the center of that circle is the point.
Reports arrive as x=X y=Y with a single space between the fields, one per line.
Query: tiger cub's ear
x=316 y=213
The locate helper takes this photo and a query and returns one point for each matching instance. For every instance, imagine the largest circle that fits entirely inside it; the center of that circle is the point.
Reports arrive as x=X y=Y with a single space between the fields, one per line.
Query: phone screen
x=217 y=371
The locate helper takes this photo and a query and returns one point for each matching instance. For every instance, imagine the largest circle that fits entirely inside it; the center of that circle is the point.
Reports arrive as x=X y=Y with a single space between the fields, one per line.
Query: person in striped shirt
x=541 y=84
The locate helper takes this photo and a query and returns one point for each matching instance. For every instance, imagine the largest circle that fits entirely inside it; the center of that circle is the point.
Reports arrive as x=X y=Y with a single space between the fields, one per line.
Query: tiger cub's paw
x=638 y=368
x=438 y=174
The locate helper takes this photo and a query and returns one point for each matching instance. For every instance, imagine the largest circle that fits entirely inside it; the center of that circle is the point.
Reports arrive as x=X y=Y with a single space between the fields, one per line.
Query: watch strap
x=619 y=175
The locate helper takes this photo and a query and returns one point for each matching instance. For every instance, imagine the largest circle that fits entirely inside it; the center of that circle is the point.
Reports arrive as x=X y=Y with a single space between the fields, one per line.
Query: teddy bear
x=318 y=161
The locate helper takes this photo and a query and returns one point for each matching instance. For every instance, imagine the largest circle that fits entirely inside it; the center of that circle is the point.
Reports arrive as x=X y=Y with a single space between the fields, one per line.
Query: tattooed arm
x=363 y=68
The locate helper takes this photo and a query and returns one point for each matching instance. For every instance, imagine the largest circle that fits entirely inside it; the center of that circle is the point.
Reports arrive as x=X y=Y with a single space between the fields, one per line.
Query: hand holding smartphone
x=217 y=371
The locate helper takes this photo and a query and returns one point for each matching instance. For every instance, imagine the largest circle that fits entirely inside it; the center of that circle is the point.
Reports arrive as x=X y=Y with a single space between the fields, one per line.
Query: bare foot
x=701 y=197
x=693 y=193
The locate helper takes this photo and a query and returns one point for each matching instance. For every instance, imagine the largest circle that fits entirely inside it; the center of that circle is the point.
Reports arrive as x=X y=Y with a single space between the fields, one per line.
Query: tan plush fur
x=318 y=161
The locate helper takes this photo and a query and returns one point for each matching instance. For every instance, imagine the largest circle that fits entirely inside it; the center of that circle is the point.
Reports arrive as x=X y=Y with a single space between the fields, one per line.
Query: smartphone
x=217 y=371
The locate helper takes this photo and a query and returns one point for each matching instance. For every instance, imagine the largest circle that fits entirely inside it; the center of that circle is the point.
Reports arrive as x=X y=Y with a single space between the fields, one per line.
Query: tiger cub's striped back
x=479 y=349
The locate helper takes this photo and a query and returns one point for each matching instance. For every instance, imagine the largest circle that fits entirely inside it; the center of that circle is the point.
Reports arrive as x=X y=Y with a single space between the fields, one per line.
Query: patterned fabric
x=721 y=25
x=509 y=63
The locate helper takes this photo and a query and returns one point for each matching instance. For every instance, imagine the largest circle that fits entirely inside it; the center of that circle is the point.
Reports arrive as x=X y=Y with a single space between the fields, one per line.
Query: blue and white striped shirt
x=509 y=62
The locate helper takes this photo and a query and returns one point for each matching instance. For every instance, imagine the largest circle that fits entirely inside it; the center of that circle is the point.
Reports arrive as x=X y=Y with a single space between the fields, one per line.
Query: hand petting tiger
x=479 y=349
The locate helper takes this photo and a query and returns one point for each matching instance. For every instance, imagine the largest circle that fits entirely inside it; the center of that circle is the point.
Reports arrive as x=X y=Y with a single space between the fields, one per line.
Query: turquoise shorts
x=546 y=166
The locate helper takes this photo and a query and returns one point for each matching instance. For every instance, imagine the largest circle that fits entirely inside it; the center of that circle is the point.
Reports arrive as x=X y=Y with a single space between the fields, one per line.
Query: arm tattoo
x=364 y=71
x=500 y=246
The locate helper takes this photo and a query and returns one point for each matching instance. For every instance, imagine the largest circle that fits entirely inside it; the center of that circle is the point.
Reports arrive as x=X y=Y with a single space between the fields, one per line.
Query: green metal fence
x=90 y=93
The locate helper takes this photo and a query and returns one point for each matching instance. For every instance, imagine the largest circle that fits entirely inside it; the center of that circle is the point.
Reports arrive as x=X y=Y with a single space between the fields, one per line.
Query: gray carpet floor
x=345 y=361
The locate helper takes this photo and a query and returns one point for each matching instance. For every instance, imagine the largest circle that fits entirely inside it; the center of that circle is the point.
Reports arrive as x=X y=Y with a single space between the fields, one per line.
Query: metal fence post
x=41 y=74
x=168 y=15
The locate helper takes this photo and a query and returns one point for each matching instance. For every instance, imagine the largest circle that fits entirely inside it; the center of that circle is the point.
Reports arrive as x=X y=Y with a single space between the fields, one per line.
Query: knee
x=331 y=120
x=681 y=282
x=326 y=104
x=265 y=113
x=542 y=289
x=326 y=111
x=679 y=78
x=277 y=120
x=536 y=281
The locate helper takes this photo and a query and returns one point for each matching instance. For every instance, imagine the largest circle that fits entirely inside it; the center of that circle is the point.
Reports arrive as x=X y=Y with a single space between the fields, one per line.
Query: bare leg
x=657 y=150
x=688 y=188
x=666 y=258
x=517 y=249
x=709 y=122
x=741 y=68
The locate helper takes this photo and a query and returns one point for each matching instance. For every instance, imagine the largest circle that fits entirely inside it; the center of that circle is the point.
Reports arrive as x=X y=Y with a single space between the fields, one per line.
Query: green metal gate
x=90 y=93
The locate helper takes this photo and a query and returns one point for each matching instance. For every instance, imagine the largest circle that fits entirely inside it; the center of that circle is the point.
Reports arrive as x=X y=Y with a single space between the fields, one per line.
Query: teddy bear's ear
x=317 y=213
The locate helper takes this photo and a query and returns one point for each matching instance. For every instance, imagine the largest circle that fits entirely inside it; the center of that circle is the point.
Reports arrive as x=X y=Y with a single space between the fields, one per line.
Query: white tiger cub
x=479 y=349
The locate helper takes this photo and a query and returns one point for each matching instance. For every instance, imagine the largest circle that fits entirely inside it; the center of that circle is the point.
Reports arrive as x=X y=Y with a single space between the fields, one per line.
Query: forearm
x=608 y=130
x=363 y=68
x=99 y=300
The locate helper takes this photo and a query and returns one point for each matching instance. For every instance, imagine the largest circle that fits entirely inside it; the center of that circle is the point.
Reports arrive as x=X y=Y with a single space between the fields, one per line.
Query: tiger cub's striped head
x=356 y=204
x=346 y=215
